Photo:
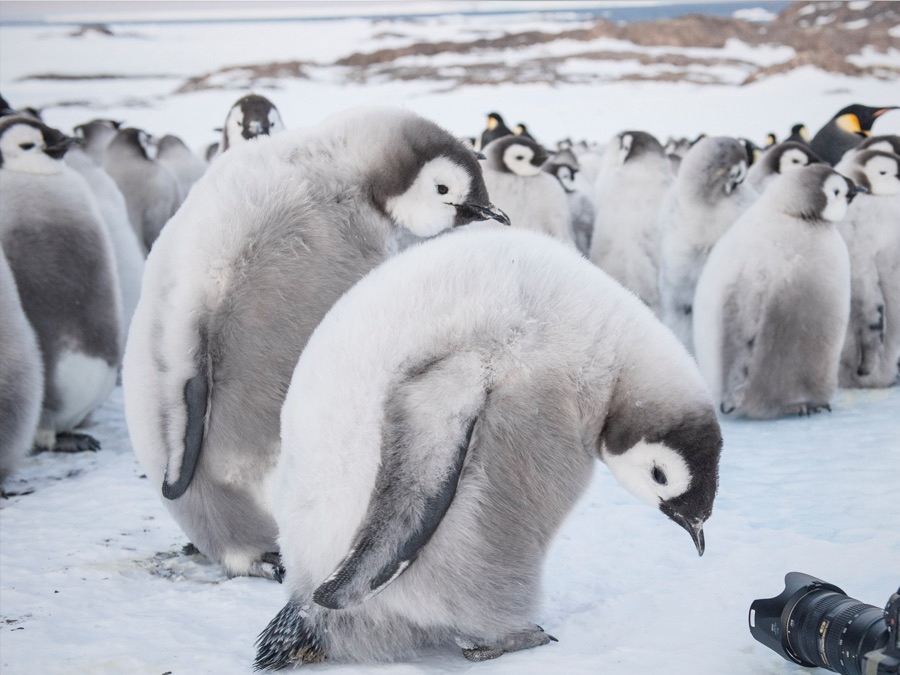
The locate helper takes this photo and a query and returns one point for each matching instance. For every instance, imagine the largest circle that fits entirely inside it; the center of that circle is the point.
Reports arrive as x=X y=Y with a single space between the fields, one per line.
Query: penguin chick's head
x=30 y=146
x=714 y=166
x=675 y=470
x=251 y=116
x=815 y=193
x=515 y=154
x=429 y=181
x=876 y=171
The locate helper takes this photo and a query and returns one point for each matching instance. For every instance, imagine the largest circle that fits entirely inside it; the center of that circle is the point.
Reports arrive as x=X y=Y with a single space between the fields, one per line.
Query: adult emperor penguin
x=21 y=376
x=268 y=239
x=251 y=116
x=424 y=472
x=177 y=157
x=496 y=128
x=707 y=196
x=769 y=321
x=60 y=254
x=871 y=230
x=128 y=249
x=533 y=199
x=564 y=165
x=847 y=129
x=782 y=157
x=151 y=191
x=634 y=177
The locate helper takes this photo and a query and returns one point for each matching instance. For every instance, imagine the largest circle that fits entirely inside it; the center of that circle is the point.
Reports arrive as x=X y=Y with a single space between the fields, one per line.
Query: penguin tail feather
x=287 y=641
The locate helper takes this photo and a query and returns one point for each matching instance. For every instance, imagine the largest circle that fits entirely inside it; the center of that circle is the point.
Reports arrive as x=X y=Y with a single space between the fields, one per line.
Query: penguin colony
x=357 y=353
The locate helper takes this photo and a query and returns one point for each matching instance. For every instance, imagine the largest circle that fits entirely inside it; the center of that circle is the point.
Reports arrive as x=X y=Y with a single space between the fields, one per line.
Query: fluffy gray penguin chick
x=267 y=240
x=425 y=470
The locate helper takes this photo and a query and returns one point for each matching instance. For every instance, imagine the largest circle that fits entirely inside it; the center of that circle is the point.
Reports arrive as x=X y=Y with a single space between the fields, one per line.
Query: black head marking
x=640 y=144
x=256 y=111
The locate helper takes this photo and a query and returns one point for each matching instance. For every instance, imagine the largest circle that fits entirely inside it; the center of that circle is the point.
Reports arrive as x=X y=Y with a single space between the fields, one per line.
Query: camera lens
x=833 y=631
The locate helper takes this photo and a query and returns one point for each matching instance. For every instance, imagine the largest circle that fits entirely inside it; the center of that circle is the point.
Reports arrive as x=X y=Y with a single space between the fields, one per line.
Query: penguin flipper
x=429 y=422
x=196 y=403
x=288 y=640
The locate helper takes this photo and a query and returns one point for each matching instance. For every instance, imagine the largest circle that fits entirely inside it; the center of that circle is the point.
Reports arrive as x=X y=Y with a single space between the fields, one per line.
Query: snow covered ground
x=92 y=577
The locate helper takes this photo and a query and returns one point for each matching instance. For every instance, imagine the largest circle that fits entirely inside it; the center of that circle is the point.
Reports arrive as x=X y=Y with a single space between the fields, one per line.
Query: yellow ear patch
x=849 y=122
x=492 y=124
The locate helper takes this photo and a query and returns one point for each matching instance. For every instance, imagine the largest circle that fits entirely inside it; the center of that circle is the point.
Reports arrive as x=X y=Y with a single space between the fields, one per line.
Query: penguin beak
x=855 y=190
x=466 y=213
x=61 y=145
x=694 y=529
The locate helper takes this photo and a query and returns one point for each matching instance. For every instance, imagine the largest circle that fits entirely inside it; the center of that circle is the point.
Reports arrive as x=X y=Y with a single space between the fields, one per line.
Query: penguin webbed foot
x=71 y=441
x=288 y=641
x=268 y=567
x=535 y=637
x=808 y=409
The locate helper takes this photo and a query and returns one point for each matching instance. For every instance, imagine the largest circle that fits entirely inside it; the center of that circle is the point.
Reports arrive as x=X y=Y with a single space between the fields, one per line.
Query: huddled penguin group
x=377 y=363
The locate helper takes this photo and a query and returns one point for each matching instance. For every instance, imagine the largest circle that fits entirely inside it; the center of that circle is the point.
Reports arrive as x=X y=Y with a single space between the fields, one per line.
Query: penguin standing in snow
x=271 y=236
x=496 y=128
x=532 y=198
x=848 y=128
x=771 y=307
x=579 y=194
x=60 y=254
x=871 y=230
x=424 y=472
x=251 y=116
x=634 y=177
x=178 y=158
x=783 y=157
x=151 y=191
x=21 y=376
x=707 y=196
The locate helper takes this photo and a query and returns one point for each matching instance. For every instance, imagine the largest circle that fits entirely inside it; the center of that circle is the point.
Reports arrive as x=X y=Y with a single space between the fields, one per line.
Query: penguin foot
x=288 y=640
x=812 y=408
x=268 y=567
x=511 y=643
x=70 y=441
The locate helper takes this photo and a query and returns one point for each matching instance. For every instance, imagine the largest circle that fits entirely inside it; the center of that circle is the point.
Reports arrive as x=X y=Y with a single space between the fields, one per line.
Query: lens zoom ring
x=836 y=630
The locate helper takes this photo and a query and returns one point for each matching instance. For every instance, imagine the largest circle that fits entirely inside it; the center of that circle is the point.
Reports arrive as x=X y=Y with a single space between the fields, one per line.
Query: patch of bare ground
x=250 y=76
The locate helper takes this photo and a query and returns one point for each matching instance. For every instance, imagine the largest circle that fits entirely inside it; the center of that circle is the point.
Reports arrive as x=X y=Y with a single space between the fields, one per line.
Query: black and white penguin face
x=881 y=171
x=714 y=166
x=838 y=192
x=566 y=176
x=250 y=117
x=794 y=157
x=438 y=199
x=29 y=146
x=523 y=160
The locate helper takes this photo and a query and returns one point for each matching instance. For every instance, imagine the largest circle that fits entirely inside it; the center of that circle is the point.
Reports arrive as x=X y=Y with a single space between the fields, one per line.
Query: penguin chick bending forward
x=772 y=302
x=267 y=240
x=425 y=472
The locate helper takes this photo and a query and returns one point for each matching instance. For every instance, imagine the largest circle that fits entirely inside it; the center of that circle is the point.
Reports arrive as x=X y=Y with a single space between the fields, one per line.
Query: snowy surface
x=92 y=578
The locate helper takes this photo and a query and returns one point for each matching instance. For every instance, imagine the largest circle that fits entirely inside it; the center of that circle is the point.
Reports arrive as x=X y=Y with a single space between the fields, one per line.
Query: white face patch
x=148 y=143
x=625 y=147
x=275 y=123
x=517 y=158
x=736 y=176
x=835 y=189
x=428 y=206
x=22 y=146
x=792 y=159
x=652 y=472
x=566 y=176
x=234 y=126
x=882 y=172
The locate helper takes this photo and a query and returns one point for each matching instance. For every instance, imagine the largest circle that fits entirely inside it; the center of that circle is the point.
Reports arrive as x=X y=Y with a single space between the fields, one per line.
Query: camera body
x=815 y=623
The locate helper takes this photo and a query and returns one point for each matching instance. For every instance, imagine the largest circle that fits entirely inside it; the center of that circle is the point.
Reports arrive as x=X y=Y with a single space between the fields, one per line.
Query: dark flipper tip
x=287 y=641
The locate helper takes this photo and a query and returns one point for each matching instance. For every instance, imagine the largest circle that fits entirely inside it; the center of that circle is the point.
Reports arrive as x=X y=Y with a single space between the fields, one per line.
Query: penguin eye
x=659 y=476
x=442 y=189
x=26 y=146
x=520 y=157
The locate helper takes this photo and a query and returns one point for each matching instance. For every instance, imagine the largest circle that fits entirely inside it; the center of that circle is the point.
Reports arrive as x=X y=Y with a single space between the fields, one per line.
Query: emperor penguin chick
x=778 y=159
x=634 y=177
x=251 y=116
x=707 y=196
x=565 y=167
x=533 y=199
x=178 y=158
x=21 y=376
x=60 y=254
x=267 y=240
x=871 y=230
x=425 y=472
x=151 y=191
x=771 y=307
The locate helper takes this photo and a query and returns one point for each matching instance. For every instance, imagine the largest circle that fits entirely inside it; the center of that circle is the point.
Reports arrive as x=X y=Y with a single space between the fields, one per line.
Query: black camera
x=816 y=624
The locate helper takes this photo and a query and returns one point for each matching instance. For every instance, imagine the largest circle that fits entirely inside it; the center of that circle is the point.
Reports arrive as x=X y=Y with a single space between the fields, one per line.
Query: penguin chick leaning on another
x=771 y=307
x=778 y=159
x=425 y=471
x=707 y=196
x=62 y=259
x=21 y=376
x=532 y=198
x=151 y=191
x=871 y=230
x=271 y=236
x=634 y=177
